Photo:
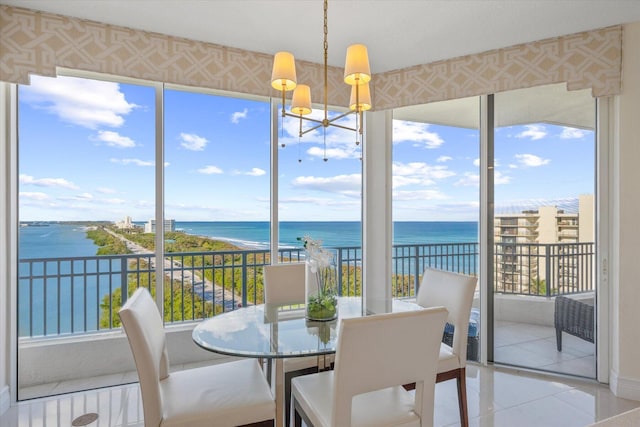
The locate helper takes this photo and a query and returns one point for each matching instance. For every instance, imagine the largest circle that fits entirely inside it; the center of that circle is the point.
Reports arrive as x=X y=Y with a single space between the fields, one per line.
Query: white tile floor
x=497 y=397
x=518 y=344
x=534 y=346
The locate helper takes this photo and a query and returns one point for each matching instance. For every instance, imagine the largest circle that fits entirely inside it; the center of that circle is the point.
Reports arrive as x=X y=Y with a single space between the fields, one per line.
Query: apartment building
x=169 y=225
x=541 y=250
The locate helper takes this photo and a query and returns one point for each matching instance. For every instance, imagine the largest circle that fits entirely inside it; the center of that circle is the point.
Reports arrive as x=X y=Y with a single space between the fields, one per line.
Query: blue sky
x=86 y=152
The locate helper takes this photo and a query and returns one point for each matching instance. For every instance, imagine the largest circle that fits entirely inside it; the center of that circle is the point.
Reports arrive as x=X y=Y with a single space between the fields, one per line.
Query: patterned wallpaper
x=36 y=43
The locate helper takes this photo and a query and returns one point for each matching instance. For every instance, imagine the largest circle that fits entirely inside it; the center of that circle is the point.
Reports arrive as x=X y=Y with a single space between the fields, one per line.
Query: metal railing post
x=548 y=269
x=339 y=268
x=244 y=279
x=416 y=279
x=124 y=285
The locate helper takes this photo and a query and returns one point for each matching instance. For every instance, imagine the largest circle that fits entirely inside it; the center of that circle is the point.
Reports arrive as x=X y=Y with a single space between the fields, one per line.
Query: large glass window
x=217 y=177
x=86 y=160
x=89 y=176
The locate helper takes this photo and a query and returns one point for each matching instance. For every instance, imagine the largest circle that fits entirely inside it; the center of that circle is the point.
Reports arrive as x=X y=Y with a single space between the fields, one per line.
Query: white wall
x=100 y=354
x=4 y=248
x=625 y=277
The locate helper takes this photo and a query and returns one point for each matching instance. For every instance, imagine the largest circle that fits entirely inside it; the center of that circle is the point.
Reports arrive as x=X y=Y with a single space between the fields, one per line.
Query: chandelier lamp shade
x=357 y=74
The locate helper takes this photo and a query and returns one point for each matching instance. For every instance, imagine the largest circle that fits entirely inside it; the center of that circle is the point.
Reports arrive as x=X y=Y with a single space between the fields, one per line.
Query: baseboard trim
x=624 y=387
x=5 y=399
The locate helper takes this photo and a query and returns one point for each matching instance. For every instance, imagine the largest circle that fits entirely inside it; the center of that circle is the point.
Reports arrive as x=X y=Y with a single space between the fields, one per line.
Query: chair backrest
x=455 y=292
x=143 y=325
x=284 y=283
x=385 y=350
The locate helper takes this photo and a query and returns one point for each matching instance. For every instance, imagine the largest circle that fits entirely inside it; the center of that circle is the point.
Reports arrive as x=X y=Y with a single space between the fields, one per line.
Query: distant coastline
x=68 y=238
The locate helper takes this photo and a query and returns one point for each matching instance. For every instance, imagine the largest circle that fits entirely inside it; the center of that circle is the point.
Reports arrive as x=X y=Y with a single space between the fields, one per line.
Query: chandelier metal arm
x=323 y=123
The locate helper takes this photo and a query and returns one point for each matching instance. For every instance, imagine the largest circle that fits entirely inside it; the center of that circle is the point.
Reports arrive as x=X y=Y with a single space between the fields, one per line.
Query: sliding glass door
x=544 y=230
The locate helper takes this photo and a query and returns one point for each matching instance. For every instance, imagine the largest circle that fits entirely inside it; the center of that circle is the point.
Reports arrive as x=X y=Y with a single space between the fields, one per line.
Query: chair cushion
x=227 y=394
x=391 y=406
x=447 y=361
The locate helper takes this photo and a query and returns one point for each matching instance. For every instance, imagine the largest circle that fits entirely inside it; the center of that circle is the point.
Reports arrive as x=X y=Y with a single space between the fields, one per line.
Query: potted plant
x=320 y=281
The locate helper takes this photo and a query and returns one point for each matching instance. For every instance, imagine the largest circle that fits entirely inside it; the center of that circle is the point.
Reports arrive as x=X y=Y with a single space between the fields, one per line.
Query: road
x=212 y=292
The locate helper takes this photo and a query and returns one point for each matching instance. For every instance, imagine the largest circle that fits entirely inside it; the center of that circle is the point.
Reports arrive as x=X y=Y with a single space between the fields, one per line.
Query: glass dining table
x=274 y=332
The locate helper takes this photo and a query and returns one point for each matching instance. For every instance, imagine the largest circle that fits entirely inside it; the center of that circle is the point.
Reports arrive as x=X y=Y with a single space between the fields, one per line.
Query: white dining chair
x=376 y=355
x=284 y=285
x=228 y=394
x=455 y=292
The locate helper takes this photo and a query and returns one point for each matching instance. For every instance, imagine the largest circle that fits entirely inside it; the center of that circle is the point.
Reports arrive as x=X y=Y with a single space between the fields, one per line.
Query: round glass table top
x=272 y=331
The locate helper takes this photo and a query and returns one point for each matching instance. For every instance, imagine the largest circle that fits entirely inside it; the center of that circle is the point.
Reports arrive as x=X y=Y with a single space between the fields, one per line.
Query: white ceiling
x=398 y=33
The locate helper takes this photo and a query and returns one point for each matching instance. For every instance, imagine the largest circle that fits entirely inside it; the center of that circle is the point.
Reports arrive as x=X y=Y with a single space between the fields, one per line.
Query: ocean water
x=332 y=234
x=69 y=240
x=46 y=308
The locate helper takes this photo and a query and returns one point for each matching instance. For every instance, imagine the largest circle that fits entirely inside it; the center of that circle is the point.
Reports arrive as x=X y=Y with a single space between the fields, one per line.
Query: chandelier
x=356 y=74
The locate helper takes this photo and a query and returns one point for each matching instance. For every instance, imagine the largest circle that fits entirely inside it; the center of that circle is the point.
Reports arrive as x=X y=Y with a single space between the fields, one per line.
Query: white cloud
x=471 y=179
x=418 y=195
x=572 y=133
x=252 y=172
x=337 y=153
x=33 y=195
x=336 y=184
x=47 y=182
x=105 y=190
x=210 y=170
x=114 y=139
x=83 y=102
x=513 y=166
x=115 y=201
x=238 y=115
x=534 y=132
x=415 y=132
x=256 y=172
x=443 y=159
x=136 y=162
x=500 y=179
x=193 y=142
x=418 y=173
x=402 y=181
x=531 y=160
x=85 y=196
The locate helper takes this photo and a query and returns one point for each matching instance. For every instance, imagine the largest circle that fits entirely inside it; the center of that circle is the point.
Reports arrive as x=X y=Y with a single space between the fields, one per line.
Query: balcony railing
x=544 y=269
x=58 y=296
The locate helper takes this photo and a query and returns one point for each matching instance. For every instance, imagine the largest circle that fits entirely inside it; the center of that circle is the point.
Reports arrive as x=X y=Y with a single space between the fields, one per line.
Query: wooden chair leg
x=462 y=397
x=268 y=423
x=460 y=377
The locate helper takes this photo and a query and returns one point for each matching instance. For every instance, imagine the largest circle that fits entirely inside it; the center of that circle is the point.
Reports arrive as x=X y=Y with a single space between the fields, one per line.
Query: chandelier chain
x=326 y=55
